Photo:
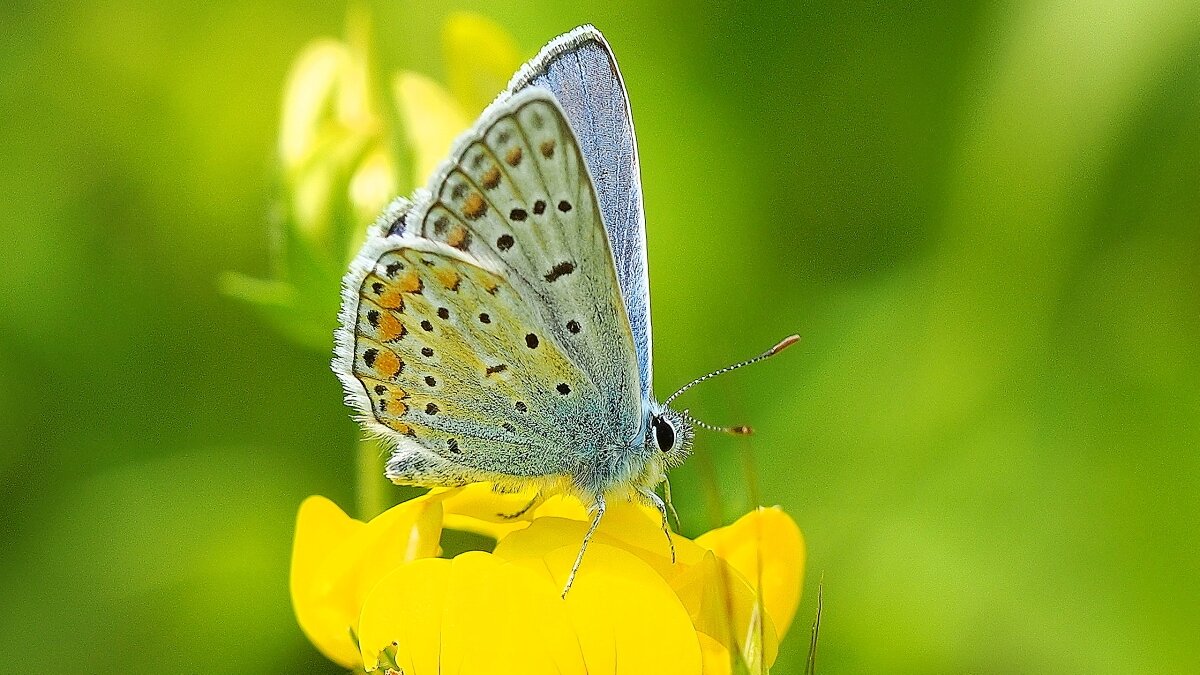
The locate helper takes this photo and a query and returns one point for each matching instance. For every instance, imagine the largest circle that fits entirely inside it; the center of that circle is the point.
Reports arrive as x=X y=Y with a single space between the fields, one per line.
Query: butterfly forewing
x=580 y=70
x=519 y=197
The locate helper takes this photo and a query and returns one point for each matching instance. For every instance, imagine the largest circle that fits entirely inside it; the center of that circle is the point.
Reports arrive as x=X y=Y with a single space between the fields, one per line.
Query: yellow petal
x=723 y=606
x=310 y=98
x=336 y=560
x=372 y=186
x=639 y=528
x=715 y=655
x=475 y=615
x=321 y=528
x=480 y=59
x=431 y=118
x=561 y=506
x=406 y=609
x=766 y=547
x=633 y=527
x=476 y=508
x=626 y=618
x=405 y=532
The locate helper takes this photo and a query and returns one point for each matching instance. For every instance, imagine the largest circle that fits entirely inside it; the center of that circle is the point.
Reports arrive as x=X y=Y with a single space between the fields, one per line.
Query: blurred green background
x=984 y=218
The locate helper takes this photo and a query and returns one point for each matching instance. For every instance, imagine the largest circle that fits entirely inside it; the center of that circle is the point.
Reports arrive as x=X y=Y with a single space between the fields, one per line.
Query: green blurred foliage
x=984 y=219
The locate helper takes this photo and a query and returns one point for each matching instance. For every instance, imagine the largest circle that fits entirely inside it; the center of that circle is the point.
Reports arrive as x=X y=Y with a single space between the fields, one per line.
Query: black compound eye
x=664 y=434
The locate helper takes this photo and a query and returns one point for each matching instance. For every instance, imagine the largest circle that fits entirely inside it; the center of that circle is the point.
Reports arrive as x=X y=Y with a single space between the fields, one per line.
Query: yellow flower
x=371 y=595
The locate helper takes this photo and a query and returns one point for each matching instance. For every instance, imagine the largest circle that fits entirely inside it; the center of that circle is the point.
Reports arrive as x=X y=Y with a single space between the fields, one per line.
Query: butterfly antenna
x=736 y=430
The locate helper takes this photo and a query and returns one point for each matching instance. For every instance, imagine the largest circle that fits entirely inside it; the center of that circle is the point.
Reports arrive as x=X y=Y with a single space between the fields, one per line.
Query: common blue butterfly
x=496 y=327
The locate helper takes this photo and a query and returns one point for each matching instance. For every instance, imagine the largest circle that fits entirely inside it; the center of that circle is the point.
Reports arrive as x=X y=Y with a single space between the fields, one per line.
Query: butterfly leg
x=583 y=547
x=662 y=508
x=670 y=504
x=523 y=510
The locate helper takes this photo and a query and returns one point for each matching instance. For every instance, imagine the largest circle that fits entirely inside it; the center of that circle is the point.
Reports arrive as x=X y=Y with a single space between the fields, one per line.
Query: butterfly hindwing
x=448 y=362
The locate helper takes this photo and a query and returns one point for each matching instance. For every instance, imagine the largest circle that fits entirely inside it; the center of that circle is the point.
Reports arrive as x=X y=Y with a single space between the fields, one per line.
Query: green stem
x=371 y=484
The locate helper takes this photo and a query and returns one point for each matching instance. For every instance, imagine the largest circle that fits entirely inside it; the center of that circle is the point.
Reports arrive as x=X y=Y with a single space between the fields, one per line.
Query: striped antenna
x=736 y=430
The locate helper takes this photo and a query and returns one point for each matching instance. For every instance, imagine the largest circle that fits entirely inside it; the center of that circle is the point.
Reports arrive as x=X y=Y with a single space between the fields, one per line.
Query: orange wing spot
x=448 y=277
x=392 y=299
x=491 y=178
x=390 y=328
x=514 y=156
x=400 y=427
x=475 y=207
x=388 y=364
x=459 y=237
x=409 y=282
x=547 y=148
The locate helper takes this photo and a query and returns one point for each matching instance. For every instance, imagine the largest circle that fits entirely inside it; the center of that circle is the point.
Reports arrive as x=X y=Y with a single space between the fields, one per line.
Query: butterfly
x=496 y=326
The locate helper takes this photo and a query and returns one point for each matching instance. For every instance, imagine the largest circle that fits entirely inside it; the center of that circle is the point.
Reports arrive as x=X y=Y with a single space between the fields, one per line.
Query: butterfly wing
x=580 y=70
x=490 y=339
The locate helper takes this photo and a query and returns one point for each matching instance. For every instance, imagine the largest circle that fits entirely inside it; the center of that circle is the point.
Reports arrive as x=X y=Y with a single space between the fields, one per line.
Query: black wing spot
x=399 y=225
x=518 y=214
x=563 y=388
x=440 y=225
x=373 y=318
x=443 y=313
x=452 y=444
x=484 y=318
x=457 y=192
x=531 y=341
x=394 y=267
x=521 y=407
x=377 y=287
x=505 y=242
x=430 y=381
x=564 y=206
x=492 y=370
x=383 y=405
x=539 y=207
x=380 y=389
x=427 y=351
x=560 y=270
x=369 y=357
x=573 y=326
x=426 y=326
x=431 y=409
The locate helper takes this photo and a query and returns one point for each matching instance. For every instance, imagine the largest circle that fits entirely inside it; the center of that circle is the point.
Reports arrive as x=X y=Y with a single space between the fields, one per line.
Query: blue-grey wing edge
x=579 y=68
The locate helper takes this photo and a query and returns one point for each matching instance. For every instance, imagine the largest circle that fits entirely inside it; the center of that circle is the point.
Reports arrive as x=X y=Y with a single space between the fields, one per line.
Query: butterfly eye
x=664 y=434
